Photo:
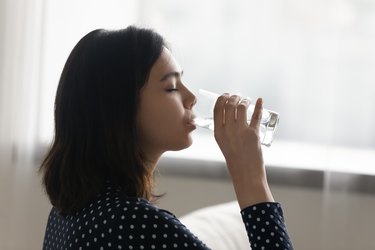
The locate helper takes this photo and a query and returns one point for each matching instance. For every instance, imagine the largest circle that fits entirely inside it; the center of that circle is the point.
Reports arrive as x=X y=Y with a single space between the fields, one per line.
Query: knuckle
x=230 y=104
x=242 y=107
x=221 y=98
x=233 y=100
x=254 y=135
x=257 y=118
x=219 y=103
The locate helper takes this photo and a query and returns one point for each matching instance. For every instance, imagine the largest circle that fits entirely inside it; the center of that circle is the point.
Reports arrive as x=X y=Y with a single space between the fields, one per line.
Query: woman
x=120 y=105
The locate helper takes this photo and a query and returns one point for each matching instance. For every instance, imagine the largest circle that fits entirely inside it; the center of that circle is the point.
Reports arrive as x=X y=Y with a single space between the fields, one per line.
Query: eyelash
x=172 y=90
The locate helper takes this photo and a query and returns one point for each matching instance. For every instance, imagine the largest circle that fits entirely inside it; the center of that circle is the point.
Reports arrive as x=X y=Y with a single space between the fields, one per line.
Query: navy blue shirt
x=115 y=222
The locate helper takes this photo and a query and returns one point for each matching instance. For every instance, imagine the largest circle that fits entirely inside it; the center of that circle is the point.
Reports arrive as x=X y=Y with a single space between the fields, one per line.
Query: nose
x=190 y=99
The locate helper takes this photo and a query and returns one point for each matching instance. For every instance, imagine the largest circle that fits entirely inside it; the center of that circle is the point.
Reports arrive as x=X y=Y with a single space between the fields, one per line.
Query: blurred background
x=312 y=61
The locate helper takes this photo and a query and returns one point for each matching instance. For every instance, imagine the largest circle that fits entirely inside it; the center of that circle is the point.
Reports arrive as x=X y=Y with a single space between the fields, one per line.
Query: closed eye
x=172 y=90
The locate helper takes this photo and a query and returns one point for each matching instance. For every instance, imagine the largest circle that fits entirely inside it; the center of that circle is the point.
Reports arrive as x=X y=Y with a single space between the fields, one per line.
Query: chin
x=187 y=143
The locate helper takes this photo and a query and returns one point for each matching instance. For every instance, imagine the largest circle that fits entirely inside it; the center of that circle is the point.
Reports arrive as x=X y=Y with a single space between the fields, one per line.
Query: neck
x=151 y=162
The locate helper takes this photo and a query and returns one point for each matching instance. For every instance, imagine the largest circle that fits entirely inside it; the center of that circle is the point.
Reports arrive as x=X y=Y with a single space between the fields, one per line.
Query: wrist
x=253 y=192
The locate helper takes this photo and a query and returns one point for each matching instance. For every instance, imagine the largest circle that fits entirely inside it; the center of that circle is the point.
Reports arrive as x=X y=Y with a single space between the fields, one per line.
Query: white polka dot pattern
x=266 y=228
x=116 y=222
x=113 y=221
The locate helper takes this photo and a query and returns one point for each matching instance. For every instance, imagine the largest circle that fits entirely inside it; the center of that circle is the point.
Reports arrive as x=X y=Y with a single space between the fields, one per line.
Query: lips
x=191 y=120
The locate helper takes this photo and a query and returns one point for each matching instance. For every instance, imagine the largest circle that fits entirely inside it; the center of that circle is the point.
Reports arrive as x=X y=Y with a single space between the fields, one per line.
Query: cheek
x=153 y=120
x=161 y=121
x=162 y=113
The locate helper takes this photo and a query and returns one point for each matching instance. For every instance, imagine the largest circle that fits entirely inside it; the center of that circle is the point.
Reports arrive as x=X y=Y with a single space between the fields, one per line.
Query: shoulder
x=114 y=219
x=114 y=208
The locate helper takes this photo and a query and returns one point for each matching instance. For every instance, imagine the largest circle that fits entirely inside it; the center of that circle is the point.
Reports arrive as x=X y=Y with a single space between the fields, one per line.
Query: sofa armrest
x=220 y=226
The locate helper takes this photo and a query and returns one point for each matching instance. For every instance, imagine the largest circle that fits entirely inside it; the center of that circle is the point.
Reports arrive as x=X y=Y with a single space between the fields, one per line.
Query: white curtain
x=21 y=34
x=20 y=50
x=36 y=37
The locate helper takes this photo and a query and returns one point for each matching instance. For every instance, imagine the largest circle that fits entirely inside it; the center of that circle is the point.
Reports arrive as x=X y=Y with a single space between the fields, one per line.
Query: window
x=311 y=61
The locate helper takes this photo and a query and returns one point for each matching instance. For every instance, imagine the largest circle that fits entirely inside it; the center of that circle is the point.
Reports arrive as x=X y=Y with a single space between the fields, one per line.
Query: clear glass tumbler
x=204 y=116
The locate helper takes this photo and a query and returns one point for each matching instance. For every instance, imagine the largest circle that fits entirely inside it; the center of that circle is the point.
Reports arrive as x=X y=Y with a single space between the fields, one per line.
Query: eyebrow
x=172 y=74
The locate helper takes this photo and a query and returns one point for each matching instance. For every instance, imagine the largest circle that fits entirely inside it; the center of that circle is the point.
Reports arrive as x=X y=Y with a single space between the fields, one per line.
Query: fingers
x=257 y=114
x=242 y=111
x=231 y=109
x=219 y=111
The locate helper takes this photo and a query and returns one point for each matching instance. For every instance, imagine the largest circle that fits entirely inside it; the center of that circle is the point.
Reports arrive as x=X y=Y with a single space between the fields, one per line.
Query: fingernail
x=260 y=101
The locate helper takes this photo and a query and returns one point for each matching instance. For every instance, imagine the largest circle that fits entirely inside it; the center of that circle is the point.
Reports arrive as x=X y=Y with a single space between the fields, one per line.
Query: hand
x=240 y=145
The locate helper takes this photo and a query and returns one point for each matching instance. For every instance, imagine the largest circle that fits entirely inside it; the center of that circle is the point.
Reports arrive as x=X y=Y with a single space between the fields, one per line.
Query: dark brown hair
x=95 y=118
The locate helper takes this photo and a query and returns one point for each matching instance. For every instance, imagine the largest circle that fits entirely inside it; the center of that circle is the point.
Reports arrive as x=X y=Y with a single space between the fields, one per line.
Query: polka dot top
x=265 y=226
x=116 y=222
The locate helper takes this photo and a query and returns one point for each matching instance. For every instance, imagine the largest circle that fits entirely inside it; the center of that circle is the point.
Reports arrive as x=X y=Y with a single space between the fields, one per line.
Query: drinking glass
x=204 y=116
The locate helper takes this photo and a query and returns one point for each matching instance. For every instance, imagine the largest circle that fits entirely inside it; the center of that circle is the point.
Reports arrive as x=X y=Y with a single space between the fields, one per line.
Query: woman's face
x=165 y=116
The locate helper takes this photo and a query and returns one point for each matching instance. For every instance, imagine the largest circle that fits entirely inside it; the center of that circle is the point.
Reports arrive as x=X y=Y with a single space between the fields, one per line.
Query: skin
x=240 y=145
x=165 y=121
x=165 y=117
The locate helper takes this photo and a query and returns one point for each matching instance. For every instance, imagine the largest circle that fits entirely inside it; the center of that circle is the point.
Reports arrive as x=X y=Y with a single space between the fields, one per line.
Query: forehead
x=165 y=63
